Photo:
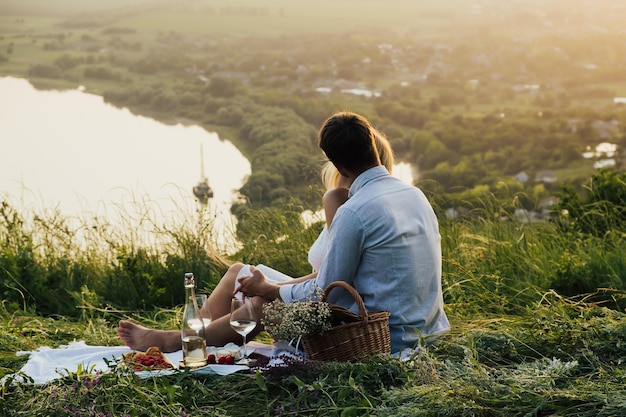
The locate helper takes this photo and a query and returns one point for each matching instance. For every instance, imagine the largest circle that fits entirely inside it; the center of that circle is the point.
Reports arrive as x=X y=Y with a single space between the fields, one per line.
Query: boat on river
x=203 y=191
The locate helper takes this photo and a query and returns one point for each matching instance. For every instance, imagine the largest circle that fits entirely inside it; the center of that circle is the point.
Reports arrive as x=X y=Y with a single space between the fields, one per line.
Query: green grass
x=517 y=347
x=561 y=358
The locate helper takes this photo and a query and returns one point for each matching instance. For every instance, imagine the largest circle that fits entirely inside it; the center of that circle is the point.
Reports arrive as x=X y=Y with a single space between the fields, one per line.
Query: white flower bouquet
x=294 y=320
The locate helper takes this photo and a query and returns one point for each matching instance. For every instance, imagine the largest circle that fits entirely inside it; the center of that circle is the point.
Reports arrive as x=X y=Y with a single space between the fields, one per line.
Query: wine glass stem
x=245 y=355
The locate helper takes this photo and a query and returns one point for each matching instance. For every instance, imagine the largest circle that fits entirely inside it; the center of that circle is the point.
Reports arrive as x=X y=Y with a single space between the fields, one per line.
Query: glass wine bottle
x=192 y=329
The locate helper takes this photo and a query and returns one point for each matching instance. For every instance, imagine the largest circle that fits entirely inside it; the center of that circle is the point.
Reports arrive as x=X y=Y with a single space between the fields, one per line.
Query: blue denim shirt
x=385 y=242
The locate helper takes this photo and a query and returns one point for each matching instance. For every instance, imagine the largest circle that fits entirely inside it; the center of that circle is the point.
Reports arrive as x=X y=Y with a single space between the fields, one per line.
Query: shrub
x=601 y=210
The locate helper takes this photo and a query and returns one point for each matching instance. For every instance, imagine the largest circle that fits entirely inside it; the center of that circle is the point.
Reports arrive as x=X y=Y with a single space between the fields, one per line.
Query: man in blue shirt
x=384 y=240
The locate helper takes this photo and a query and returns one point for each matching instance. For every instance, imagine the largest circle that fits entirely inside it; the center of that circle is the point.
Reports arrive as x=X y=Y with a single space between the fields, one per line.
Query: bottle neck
x=190 y=294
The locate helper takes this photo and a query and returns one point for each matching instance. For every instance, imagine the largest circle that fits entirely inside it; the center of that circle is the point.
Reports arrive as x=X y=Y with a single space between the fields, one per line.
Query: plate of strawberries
x=153 y=362
x=150 y=361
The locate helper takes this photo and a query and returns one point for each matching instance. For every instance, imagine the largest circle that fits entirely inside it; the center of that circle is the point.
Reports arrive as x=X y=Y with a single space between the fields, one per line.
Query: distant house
x=541 y=213
x=522 y=177
x=523 y=215
x=324 y=90
x=545 y=207
x=606 y=129
x=604 y=163
x=546 y=176
x=343 y=84
x=573 y=124
x=529 y=88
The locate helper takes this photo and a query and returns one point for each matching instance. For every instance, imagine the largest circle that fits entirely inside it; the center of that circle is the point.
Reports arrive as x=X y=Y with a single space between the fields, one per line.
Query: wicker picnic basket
x=353 y=336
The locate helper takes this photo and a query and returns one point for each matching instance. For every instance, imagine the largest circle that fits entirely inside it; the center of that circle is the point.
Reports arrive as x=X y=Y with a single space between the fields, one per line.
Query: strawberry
x=210 y=358
x=226 y=360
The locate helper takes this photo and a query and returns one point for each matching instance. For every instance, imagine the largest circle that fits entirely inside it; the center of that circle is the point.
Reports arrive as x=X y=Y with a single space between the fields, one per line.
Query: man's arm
x=298 y=280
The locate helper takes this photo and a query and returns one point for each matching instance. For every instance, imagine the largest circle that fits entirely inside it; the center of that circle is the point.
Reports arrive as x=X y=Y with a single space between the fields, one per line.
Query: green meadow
x=537 y=313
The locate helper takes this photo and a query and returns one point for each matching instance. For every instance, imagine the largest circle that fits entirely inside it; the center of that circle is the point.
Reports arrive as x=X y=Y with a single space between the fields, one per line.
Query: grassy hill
x=537 y=313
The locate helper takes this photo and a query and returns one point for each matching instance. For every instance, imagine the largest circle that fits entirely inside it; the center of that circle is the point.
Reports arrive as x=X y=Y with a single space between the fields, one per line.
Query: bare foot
x=138 y=337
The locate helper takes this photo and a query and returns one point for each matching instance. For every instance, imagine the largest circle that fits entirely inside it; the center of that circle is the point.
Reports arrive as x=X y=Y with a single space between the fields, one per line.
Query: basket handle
x=353 y=292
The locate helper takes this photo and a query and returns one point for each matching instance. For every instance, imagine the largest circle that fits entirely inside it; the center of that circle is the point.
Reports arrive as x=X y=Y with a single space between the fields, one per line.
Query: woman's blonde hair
x=330 y=175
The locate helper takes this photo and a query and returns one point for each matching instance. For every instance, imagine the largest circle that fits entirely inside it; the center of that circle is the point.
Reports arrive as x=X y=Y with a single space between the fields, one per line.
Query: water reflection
x=72 y=151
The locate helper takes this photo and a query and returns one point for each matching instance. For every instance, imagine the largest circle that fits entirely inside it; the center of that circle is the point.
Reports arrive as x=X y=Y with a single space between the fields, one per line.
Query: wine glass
x=242 y=320
x=201 y=299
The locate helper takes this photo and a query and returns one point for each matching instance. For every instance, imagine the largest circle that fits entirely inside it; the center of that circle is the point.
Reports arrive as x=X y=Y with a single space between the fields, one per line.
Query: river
x=70 y=151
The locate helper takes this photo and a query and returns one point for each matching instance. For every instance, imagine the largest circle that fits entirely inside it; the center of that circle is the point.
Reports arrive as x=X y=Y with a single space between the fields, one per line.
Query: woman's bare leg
x=138 y=337
x=218 y=333
x=218 y=303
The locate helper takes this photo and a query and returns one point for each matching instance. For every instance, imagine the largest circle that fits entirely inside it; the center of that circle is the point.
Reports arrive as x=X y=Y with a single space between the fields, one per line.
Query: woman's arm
x=331 y=201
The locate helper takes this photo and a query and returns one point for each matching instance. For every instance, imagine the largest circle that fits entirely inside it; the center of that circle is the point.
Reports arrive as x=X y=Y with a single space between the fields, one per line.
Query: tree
x=229 y=115
x=66 y=62
x=222 y=87
x=44 y=70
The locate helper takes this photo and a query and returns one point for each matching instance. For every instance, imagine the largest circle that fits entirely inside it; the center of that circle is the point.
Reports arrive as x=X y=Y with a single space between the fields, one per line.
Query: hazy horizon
x=336 y=16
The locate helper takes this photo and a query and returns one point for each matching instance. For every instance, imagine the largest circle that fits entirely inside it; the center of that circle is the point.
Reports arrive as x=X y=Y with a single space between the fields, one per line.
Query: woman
x=219 y=332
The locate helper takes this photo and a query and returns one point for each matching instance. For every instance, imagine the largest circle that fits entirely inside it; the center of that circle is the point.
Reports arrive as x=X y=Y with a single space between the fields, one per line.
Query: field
x=277 y=17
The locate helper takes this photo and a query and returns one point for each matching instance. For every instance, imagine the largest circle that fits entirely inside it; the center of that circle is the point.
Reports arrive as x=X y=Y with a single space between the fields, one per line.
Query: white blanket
x=46 y=364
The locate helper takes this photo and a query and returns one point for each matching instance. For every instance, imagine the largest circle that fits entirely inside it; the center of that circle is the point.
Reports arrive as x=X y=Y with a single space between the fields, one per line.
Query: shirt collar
x=367 y=176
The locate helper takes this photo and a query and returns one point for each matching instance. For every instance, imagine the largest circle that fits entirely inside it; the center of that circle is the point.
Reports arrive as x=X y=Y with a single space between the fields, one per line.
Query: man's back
x=385 y=241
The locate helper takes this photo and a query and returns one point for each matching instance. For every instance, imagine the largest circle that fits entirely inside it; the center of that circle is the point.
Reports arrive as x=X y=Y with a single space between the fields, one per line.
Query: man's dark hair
x=347 y=139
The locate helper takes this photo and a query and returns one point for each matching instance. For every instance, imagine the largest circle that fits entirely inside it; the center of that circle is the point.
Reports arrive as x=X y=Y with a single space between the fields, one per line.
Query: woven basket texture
x=353 y=335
